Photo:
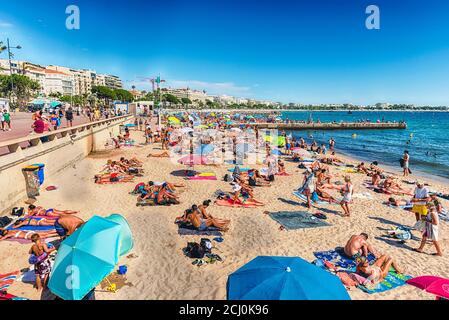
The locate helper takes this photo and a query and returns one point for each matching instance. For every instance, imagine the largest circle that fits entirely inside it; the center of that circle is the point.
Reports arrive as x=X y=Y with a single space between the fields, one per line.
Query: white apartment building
x=58 y=82
x=113 y=82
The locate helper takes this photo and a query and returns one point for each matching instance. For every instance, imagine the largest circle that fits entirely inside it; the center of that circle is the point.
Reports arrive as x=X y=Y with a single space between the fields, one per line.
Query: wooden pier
x=330 y=126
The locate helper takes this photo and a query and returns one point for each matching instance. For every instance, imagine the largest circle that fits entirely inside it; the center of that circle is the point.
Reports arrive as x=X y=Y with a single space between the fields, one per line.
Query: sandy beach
x=158 y=268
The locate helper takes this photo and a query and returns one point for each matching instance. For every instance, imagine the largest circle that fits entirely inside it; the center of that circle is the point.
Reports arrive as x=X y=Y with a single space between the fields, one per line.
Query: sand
x=159 y=270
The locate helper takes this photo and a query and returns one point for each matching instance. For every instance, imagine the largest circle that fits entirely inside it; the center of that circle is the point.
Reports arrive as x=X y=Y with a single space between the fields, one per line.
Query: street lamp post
x=10 y=56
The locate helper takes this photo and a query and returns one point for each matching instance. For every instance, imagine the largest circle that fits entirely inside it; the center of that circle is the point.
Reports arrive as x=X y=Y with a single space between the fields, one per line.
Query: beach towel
x=6 y=280
x=444 y=216
x=32 y=228
x=304 y=198
x=391 y=281
x=230 y=203
x=297 y=220
x=405 y=207
x=204 y=176
x=339 y=259
x=241 y=169
x=189 y=230
x=363 y=195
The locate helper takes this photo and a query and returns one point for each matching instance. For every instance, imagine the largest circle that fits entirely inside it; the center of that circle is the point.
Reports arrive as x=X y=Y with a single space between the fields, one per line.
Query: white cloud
x=5 y=24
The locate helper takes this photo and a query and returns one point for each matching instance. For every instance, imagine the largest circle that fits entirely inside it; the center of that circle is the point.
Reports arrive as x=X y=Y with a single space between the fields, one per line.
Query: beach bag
x=206 y=245
x=18 y=212
x=194 y=250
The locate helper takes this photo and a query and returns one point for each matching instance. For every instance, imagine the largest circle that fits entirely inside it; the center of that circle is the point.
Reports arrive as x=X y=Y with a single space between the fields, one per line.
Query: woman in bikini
x=376 y=272
x=26 y=235
x=222 y=224
x=40 y=211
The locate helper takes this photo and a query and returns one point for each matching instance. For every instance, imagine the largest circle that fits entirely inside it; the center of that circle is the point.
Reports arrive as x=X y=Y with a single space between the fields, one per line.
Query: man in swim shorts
x=420 y=199
x=358 y=246
x=66 y=225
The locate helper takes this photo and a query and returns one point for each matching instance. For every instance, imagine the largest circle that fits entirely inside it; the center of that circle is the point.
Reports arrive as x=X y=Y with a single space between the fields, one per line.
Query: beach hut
x=88 y=256
x=284 y=278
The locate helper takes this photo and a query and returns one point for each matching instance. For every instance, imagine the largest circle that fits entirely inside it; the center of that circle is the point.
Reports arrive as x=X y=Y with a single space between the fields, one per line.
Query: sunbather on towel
x=33 y=222
x=198 y=221
x=67 y=225
x=362 y=168
x=398 y=203
x=375 y=178
x=392 y=187
x=26 y=235
x=164 y=154
x=358 y=246
x=376 y=272
x=40 y=211
x=113 y=177
x=217 y=222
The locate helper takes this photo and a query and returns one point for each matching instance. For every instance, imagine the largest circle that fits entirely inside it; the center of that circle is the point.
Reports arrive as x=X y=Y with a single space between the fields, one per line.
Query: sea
x=426 y=138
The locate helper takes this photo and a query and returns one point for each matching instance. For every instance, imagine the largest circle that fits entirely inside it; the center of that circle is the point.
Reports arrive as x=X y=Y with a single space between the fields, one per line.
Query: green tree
x=104 y=93
x=19 y=87
x=173 y=100
x=123 y=95
x=186 y=101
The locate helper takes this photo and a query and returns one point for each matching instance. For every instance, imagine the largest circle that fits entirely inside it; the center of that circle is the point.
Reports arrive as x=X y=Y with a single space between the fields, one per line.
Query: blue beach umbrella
x=126 y=237
x=85 y=258
x=205 y=149
x=284 y=278
x=55 y=104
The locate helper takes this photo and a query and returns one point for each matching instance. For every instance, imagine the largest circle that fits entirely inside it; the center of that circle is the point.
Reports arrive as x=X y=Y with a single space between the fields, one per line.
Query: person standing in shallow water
x=406 y=163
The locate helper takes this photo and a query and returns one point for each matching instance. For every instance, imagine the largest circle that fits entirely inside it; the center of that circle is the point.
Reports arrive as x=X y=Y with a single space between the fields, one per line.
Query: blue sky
x=315 y=51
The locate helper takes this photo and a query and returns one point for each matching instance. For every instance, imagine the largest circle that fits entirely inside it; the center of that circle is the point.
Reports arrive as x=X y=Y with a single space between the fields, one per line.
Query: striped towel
x=6 y=280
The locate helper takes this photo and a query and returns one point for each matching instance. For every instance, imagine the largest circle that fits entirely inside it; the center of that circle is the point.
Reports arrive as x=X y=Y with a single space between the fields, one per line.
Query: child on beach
x=42 y=268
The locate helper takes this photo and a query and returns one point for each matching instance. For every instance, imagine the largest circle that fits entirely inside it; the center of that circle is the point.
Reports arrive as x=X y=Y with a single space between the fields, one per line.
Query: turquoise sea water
x=426 y=138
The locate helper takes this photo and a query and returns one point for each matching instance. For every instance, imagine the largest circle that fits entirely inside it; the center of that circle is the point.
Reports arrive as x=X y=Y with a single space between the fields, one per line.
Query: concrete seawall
x=64 y=148
x=330 y=126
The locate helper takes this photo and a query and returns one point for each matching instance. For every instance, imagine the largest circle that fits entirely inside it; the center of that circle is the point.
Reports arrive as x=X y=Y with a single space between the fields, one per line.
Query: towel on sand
x=297 y=220
x=338 y=259
x=186 y=229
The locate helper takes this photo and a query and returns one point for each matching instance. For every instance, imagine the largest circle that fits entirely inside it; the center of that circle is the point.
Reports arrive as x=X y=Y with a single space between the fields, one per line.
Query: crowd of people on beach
x=321 y=185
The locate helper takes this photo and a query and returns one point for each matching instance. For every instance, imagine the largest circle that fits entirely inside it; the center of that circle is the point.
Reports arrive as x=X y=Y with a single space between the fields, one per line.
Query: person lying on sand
x=33 y=222
x=133 y=162
x=67 y=225
x=238 y=191
x=376 y=272
x=26 y=235
x=390 y=186
x=195 y=218
x=164 y=154
x=362 y=168
x=373 y=168
x=40 y=211
x=358 y=246
x=113 y=177
x=398 y=203
x=375 y=178
x=253 y=180
x=112 y=167
x=216 y=222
